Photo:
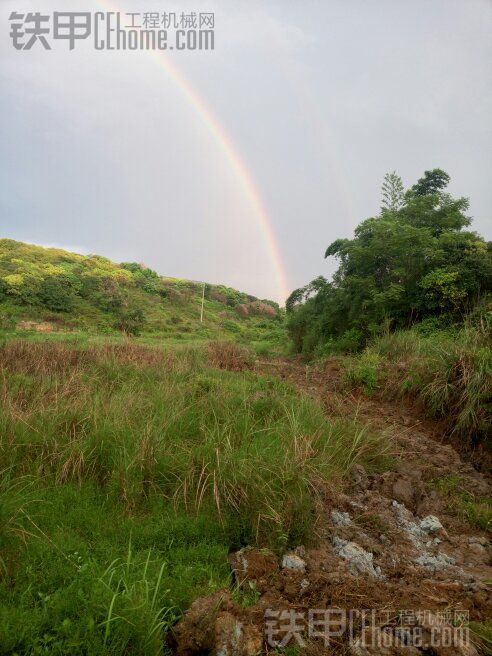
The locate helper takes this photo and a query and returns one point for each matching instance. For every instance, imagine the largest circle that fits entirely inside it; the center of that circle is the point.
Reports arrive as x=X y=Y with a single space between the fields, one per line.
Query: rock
x=405 y=519
x=360 y=561
x=209 y=626
x=232 y=638
x=300 y=551
x=293 y=561
x=195 y=632
x=473 y=586
x=435 y=563
x=409 y=468
x=479 y=551
x=253 y=564
x=340 y=518
x=360 y=476
x=304 y=585
x=418 y=530
x=404 y=489
x=430 y=524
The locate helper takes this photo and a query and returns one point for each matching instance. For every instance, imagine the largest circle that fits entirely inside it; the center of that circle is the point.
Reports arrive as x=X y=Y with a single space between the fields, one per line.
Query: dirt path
x=408 y=539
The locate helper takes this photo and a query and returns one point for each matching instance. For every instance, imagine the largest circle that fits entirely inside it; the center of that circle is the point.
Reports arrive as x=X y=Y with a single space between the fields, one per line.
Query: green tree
x=392 y=193
x=56 y=293
x=432 y=182
x=400 y=267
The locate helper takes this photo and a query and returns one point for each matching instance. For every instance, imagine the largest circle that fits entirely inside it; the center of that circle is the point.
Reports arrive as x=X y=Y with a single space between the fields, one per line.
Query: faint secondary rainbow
x=232 y=154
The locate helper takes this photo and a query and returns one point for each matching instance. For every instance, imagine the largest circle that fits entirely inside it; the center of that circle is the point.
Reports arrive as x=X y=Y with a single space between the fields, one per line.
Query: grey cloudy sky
x=103 y=151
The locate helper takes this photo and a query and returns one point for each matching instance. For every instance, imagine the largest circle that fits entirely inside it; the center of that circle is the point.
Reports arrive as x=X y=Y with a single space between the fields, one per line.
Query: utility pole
x=203 y=301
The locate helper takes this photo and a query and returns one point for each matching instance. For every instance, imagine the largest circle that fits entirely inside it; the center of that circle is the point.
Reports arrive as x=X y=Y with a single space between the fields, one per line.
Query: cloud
x=103 y=149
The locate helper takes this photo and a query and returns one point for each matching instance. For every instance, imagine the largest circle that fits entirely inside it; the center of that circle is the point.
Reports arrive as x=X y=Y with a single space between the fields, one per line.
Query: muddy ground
x=396 y=566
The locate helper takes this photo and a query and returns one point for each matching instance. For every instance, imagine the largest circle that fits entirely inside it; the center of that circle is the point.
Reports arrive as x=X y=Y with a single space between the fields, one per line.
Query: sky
x=240 y=165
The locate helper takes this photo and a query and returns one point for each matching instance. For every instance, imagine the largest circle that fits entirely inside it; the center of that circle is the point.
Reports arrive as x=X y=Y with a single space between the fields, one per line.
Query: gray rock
x=474 y=586
x=416 y=529
x=430 y=524
x=304 y=585
x=293 y=561
x=360 y=561
x=478 y=550
x=340 y=518
x=437 y=562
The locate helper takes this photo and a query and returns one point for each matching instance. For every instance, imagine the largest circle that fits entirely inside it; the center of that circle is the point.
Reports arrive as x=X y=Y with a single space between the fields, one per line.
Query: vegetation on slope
x=411 y=296
x=48 y=288
x=129 y=472
x=449 y=372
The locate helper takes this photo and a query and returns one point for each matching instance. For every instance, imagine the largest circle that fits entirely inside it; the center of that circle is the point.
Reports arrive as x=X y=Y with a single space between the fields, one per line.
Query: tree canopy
x=414 y=260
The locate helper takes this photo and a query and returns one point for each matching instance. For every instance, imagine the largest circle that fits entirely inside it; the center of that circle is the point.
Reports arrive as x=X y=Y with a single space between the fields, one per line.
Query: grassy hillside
x=52 y=290
x=129 y=472
x=448 y=372
x=131 y=468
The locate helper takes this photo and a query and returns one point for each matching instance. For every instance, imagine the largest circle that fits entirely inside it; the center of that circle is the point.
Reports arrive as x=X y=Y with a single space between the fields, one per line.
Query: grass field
x=129 y=473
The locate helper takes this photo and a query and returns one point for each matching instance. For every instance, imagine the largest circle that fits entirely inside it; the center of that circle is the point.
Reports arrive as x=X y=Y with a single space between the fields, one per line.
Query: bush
x=131 y=321
x=241 y=309
x=56 y=293
x=232 y=326
x=3 y=289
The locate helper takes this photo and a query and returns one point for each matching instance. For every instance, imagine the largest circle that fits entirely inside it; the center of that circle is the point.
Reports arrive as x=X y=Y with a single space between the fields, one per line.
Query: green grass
x=127 y=475
x=477 y=511
x=363 y=371
x=482 y=631
x=449 y=372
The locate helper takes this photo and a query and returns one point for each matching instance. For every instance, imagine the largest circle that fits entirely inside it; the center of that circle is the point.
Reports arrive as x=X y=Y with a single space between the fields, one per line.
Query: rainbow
x=232 y=155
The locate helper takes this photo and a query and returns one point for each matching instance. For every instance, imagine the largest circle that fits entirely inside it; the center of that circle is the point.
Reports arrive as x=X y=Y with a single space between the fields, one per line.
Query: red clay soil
x=388 y=542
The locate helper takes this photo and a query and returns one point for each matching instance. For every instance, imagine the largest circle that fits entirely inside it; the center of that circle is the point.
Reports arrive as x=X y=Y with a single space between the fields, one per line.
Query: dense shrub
x=131 y=321
x=56 y=293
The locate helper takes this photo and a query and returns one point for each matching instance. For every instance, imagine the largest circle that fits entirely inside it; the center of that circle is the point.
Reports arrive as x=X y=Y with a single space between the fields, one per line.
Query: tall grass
x=450 y=372
x=124 y=444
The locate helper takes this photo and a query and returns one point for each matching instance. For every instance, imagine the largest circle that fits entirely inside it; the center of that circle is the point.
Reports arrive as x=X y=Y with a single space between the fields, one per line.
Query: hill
x=155 y=499
x=52 y=290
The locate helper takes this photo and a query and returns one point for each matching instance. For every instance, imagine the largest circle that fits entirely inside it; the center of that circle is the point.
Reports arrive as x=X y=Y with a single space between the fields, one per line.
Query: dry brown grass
x=48 y=358
x=229 y=356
